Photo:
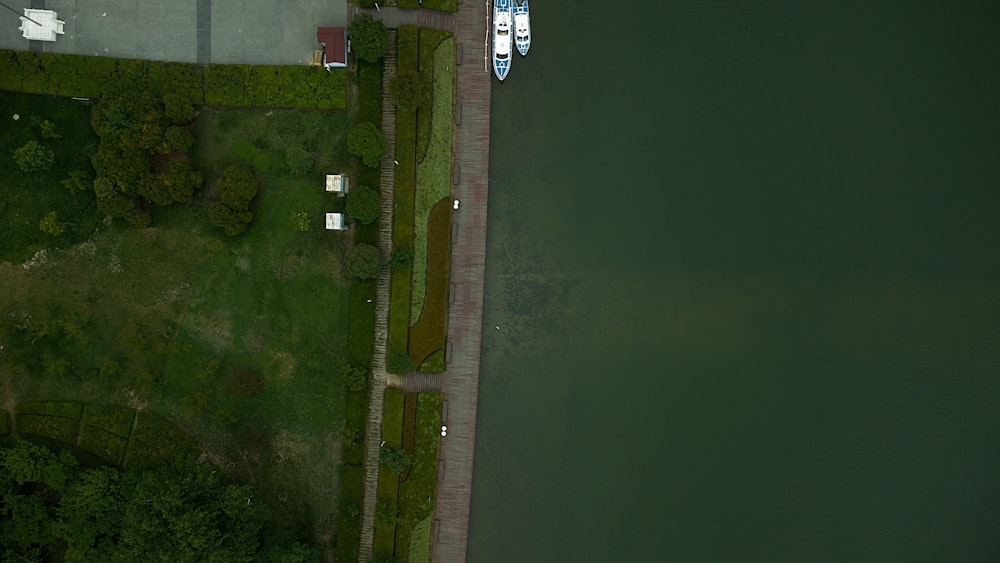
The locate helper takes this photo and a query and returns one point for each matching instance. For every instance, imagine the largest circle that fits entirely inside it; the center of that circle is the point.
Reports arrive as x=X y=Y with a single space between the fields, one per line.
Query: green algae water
x=744 y=258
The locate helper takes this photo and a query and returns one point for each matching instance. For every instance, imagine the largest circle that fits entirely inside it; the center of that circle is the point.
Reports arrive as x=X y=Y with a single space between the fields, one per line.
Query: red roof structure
x=335 y=39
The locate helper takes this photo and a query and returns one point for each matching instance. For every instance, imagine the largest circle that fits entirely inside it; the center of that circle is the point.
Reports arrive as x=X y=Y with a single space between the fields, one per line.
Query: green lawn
x=388 y=481
x=418 y=488
x=239 y=341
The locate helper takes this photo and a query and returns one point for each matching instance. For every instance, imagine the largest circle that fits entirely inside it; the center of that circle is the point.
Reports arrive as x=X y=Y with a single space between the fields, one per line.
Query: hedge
x=3 y=423
x=55 y=427
x=352 y=481
x=103 y=443
x=430 y=39
x=417 y=491
x=116 y=419
x=302 y=87
x=65 y=409
x=161 y=436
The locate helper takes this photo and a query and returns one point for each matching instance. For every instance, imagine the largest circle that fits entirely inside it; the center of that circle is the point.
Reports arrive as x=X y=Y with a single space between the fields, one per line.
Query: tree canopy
x=408 y=89
x=33 y=157
x=363 y=204
x=236 y=189
x=362 y=261
x=369 y=37
x=182 y=512
x=366 y=141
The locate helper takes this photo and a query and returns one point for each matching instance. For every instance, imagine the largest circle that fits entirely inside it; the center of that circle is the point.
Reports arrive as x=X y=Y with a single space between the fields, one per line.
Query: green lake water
x=745 y=261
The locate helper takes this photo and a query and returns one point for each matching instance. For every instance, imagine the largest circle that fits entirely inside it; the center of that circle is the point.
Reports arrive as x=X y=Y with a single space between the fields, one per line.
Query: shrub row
x=429 y=41
x=55 y=427
x=66 y=409
x=225 y=85
x=388 y=481
x=105 y=444
x=161 y=437
x=116 y=419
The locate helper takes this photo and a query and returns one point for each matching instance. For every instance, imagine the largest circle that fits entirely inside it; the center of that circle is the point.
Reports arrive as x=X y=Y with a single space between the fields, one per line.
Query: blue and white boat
x=502 y=40
x=522 y=27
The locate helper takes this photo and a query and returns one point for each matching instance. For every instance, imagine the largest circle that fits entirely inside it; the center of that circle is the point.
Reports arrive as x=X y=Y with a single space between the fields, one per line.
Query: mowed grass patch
x=25 y=198
x=417 y=491
x=434 y=172
x=430 y=331
x=241 y=341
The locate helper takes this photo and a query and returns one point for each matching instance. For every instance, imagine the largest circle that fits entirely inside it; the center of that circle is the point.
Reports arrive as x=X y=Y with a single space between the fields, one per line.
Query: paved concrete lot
x=217 y=31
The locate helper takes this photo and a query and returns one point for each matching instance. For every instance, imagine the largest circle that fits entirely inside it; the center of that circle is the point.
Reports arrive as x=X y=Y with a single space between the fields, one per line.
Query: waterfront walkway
x=460 y=383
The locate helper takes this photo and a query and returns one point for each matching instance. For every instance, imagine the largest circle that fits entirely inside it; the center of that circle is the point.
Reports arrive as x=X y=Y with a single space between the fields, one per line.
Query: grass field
x=240 y=341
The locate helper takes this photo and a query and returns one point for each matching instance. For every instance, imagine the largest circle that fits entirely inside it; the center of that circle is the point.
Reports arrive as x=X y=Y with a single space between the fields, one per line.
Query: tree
x=28 y=463
x=363 y=261
x=232 y=221
x=33 y=157
x=369 y=37
x=110 y=200
x=175 y=139
x=366 y=141
x=78 y=181
x=300 y=160
x=154 y=189
x=178 y=109
x=394 y=458
x=408 y=89
x=237 y=187
x=363 y=204
x=51 y=225
x=49 y=130
x=356 y=378
x=181 y=181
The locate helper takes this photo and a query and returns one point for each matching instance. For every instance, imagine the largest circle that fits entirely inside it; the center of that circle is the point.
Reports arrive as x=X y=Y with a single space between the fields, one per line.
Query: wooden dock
x=468 y=263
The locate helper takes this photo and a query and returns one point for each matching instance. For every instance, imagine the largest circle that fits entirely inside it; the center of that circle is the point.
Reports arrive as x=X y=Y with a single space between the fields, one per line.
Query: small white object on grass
x=497 y=327
x=16 y=117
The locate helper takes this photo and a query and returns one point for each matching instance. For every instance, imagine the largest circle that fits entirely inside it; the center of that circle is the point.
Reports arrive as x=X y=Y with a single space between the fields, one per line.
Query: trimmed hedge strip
x=66 y=409
x=55 y=427
x=301 y=87
x=105 y=444
x=116 y=419
x=431 y=329
x=161 y=436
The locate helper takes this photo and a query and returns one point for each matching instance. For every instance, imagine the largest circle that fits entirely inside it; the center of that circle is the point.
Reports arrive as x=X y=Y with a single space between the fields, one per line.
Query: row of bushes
x=388 y=480
x=224 y=85
x=361 y=335
x=418 y=490
x=407 y=41
x=431 y=330
x=104 y=430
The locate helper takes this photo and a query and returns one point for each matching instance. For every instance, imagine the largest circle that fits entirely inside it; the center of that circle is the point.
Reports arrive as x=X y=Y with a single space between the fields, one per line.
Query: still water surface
x=744 y=258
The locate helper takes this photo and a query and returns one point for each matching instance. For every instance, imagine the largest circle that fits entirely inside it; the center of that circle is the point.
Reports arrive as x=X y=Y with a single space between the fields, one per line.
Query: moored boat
x=502 y=43
x=522 y=26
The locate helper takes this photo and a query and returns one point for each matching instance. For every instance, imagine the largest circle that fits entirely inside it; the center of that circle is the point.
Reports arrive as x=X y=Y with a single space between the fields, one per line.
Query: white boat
x=502 y=43
x=522 y=26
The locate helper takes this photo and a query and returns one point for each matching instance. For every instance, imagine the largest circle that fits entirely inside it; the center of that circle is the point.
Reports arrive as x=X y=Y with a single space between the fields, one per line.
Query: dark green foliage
x=236 y=190
x=106 y=445
x=394 y=458
x=399 y=363
x=175 y=139
x=110 y=199
x=78 y=181
x=386 y=513
x=300 y=160
x=178 y=109
x=50 y=224
x=363 y=204
x=356 y=378
x=237 y=187
x=362 y=261
x=27 y=528
x=364 y=140
x=155 y=440
x=55 y=427
x=116 y=419
x=369 y=37
x=232 y=221
x=33 y=157
x=48 y=130
x=401 y=257
x=409 y=90
x=28 y=463
x=67 y=409
x=227 y=85
x=181 y=181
